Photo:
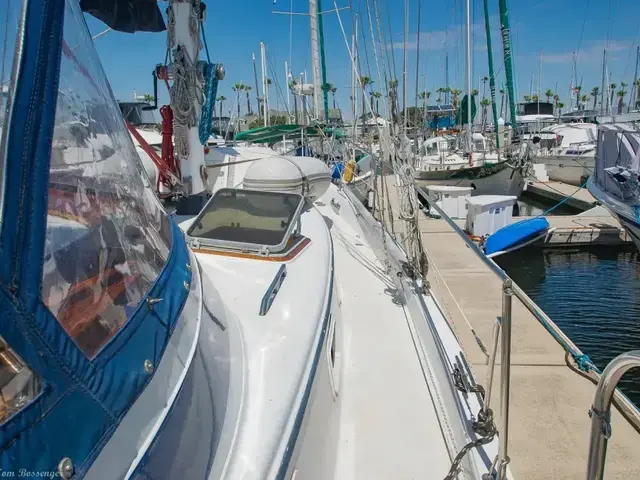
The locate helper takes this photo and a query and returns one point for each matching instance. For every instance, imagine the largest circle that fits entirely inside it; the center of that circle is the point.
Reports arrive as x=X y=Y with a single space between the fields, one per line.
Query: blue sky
x=234 y=31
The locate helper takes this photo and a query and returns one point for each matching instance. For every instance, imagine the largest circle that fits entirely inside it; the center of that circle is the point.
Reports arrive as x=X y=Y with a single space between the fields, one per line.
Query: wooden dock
x=549 y=403
x=554 y=192
x=591 y=228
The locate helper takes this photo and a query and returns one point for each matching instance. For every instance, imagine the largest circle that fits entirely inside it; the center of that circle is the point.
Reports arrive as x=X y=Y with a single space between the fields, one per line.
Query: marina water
x=593 y=295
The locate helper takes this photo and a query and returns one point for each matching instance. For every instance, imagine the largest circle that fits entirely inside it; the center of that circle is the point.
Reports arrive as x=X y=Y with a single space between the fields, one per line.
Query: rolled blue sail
x=210 y=91
x=515 y=234
x=336 y=172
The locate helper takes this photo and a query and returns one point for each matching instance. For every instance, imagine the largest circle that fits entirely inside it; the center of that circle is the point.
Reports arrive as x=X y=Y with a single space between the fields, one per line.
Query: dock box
x=489 y=213
x=452 y=200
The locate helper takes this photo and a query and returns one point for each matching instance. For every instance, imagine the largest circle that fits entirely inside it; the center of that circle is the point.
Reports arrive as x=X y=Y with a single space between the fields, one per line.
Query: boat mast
x=354 y=79
x=184 y=39
x=404 y=69
x=286 y=82
x=604 y=76
x=419 y=127
x=508 y=61
x=469 y=134
x=255 y=78
x=492 y=78
x=265 y=91
x=315 y=57
x=446 y=80
x=323 y=64
x=634 y=92
x=539 y=79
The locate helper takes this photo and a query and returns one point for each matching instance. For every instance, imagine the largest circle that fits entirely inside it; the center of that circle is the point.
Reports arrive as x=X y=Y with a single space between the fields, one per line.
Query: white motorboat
x=284 y=336
x=568 y=152
x=615 y=182
x=442 y=163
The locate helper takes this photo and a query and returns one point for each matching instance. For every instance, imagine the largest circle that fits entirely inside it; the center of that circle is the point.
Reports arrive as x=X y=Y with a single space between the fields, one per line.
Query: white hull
x=568 y=169
x=633 y=229
x=623 y=211
x=361 y=186
x=507 y=181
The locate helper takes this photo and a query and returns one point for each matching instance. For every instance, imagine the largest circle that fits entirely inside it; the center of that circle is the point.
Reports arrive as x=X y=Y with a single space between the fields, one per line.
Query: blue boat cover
x=514 y=234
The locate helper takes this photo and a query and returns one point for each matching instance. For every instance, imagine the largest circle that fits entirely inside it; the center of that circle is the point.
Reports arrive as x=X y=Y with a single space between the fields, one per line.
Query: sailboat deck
x=549 y=422
x=388 y=423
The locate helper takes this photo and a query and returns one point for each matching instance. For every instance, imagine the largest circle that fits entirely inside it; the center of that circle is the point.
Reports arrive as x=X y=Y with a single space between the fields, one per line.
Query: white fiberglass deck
x=388 y=423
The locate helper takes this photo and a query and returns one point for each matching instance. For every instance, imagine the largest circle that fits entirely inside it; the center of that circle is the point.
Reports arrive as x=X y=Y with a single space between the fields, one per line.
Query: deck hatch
x=249 y=221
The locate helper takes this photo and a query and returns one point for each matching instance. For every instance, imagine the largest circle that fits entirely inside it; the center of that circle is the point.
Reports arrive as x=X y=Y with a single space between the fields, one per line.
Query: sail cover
x=128 y=16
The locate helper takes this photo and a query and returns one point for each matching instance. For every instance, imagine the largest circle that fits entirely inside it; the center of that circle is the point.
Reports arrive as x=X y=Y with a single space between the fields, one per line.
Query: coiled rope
x=187 y=90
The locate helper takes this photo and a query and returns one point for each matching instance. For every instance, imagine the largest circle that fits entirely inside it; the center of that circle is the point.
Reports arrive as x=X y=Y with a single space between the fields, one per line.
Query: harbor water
x=592 y=294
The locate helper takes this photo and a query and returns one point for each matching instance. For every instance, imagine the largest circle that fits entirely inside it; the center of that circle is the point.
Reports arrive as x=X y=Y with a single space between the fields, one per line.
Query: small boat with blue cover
x=515 y=236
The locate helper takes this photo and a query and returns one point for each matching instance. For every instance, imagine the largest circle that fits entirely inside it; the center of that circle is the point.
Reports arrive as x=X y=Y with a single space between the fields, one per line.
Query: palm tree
x=424 y=96
x=247 y=89
x=328 y=87
x=364 y=81
x=556 y=99
x=527 y=98
x=612 y=89
x=583 y=99
x=549 y=93
x=535 y=99
x=221 y=99
x=393 y=97
x=447 y=90
x=484 y=86
x=377 y=95
x=621 y=93
x=485 y=102
x=474 y=92
x=595 y=91
x=238 y=88
x=148 y=98
x=560 y=105
x=455 y=93
x=578 y=89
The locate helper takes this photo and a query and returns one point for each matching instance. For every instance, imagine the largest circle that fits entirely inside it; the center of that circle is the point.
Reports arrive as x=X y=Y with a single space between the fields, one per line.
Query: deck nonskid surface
x=389 y=428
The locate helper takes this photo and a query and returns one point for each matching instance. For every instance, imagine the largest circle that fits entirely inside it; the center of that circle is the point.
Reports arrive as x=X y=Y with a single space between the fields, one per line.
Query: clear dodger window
x=107 y=236
x=18 y=384
x=10 y=20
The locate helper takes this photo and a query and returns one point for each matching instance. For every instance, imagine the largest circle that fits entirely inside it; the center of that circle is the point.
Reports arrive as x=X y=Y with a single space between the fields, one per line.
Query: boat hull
x=624 y=212
x=361 y=186
x=496 y=179
x=568 y=169
x=632 y=228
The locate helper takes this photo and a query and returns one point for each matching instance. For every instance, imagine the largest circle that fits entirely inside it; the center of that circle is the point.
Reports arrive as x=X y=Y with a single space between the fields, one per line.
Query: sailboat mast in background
x=315 y=58
x=469 y=100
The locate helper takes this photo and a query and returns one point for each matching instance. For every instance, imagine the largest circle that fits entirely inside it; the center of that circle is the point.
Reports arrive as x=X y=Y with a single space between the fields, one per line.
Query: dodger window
x=18 y=384
x=248 y=220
